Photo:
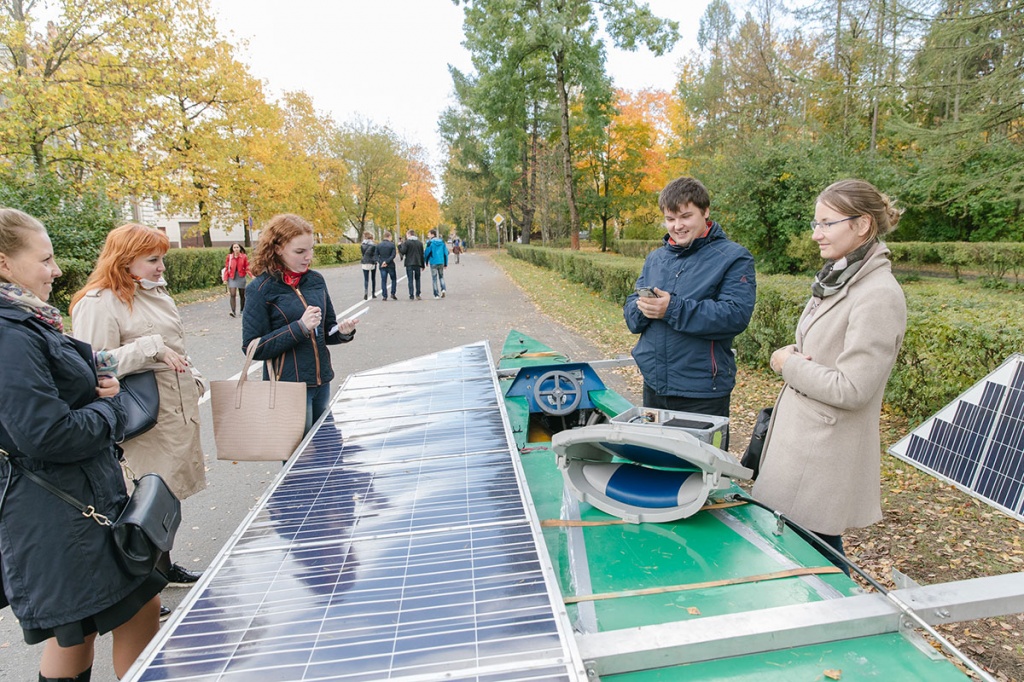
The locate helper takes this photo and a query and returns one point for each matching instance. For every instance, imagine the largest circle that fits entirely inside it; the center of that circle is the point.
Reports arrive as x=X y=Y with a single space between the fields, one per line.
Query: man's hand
x=654 y=308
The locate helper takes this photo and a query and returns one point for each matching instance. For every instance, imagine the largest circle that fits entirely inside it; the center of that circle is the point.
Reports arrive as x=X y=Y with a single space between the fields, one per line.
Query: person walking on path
x=456 y=247
x=124 y=308
x=236 y=267
x=291 y=313
x=693 y=296
x=59 y=421
x=412 y=253
x=369 y=265
x=436 y=255
x=386 y=253
x=820 y=464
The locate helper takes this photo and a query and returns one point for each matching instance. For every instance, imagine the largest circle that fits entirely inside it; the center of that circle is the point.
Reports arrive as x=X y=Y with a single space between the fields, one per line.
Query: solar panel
x=977 y=441
x=397 y=545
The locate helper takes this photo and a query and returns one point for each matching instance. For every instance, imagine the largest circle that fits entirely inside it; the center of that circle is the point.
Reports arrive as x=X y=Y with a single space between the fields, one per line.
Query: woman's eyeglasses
x=816 y=224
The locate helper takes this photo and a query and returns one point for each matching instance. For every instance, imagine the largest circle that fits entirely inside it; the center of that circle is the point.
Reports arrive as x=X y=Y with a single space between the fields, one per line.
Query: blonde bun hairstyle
x=858 y=197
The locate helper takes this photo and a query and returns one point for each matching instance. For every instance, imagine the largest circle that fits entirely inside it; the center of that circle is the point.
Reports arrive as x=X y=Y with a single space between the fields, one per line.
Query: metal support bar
x=786 y=627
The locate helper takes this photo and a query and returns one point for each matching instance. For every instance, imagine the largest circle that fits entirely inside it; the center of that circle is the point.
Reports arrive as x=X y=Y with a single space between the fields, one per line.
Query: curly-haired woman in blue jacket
x=289 y=309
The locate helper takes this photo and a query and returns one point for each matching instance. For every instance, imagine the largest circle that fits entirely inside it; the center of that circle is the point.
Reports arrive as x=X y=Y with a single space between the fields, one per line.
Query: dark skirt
x=72 y=634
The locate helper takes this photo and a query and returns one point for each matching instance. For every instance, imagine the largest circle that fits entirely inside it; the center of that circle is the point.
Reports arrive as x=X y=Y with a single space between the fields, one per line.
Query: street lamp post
x=398 y=215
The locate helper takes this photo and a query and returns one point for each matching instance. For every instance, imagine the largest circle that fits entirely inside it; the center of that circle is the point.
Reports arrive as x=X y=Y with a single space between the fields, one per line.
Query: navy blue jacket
x=689 y=352
x=58 y=566
x=386 y=253
x=272 y=313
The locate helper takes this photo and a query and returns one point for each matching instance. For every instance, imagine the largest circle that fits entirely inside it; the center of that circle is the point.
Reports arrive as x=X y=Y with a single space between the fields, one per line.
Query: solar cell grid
x=393 y=547
x=977 y=441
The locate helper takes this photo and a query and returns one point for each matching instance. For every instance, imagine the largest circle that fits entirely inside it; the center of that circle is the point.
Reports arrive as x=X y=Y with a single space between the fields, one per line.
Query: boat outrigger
x=453 y=520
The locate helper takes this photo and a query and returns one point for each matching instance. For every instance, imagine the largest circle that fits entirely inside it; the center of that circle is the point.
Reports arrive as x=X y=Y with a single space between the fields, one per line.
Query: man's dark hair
x=682 y=191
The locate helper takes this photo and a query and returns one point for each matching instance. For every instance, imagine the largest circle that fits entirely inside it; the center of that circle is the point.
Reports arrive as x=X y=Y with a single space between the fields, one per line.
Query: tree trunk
x=570 y=189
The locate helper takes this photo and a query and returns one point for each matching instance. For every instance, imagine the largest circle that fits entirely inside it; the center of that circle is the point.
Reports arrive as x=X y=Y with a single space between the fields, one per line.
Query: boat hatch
x=647 y=465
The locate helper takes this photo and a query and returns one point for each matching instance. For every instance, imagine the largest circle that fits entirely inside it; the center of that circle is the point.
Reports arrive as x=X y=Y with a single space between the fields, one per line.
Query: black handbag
x=752 y=457
x=144 y=529
x=140 y=398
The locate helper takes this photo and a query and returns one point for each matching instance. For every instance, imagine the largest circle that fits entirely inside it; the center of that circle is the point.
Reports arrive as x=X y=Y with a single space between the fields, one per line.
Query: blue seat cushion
x=643 y=487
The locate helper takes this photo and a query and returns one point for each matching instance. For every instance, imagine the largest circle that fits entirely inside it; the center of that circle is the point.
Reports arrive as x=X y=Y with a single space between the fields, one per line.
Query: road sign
x=498 y=219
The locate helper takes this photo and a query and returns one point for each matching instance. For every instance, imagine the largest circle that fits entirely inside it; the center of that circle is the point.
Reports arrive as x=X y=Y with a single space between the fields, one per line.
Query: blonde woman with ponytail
x=821 y=461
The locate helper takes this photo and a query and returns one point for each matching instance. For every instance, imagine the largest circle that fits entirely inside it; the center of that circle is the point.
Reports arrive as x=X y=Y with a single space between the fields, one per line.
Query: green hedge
x=333 y=254
x=74 y=272
x=611 y=276
x=955 y=334
x=636 y=248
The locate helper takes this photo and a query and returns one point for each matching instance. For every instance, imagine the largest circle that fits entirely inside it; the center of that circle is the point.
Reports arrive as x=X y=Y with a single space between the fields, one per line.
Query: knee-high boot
x=84 y=676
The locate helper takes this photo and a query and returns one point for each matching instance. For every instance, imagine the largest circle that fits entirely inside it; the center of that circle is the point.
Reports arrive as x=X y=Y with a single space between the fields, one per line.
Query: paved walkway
x=482 y=304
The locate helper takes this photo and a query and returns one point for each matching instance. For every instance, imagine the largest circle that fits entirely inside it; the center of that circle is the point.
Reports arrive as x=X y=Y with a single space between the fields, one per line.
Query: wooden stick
x=791 y=573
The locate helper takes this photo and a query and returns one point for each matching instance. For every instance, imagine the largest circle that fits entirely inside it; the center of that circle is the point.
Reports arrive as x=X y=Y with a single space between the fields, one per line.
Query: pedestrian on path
x=236 y=268
x=456 y=247
x=386 y=253
x=436 y=255
x=124 y=308
x=412 y=253
x=369 y=265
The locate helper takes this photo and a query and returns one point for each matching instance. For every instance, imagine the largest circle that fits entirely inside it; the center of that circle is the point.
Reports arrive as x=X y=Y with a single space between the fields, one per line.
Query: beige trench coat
x=821 y=460
x=138 y=337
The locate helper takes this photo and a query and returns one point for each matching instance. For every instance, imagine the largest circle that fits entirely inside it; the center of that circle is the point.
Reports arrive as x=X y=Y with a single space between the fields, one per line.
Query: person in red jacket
x=236 y=267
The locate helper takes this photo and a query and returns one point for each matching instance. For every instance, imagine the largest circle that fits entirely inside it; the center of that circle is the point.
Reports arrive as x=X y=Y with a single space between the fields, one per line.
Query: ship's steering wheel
x=562 y=397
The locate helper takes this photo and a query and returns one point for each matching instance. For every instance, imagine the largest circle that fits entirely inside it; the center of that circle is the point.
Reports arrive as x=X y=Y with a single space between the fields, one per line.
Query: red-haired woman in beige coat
x=124 y=308
x=821 y=461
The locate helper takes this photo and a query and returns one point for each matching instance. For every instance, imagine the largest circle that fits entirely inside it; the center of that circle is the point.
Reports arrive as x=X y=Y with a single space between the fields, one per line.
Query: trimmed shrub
x=950 y=343
x=193 y=268
x=780 y=300
x=635 y=248
x=75 y=272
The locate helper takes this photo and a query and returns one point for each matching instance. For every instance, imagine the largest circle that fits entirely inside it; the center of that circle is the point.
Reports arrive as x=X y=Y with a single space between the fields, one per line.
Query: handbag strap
x=250 y=351
x=87 y=510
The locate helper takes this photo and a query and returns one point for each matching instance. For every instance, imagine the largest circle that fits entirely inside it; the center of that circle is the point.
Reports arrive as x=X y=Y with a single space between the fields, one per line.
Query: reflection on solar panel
x=977 y=441
x=397 y=545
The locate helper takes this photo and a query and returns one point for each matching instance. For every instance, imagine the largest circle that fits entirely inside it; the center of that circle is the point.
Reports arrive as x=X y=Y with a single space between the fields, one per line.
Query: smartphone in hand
x=646 y=292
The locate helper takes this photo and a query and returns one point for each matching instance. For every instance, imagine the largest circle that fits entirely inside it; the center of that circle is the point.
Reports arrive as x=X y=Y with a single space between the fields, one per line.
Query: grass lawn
x=931 y=531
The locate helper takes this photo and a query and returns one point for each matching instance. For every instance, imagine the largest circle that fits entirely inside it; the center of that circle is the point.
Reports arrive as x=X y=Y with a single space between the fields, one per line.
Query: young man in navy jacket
x=694 y=295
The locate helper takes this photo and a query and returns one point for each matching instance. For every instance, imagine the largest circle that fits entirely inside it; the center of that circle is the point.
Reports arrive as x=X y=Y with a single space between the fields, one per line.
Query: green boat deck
x=726 y=559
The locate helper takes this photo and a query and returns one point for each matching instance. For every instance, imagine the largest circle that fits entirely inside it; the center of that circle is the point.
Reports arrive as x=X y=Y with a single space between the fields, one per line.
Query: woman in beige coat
x=124 y=307
x=821 y=460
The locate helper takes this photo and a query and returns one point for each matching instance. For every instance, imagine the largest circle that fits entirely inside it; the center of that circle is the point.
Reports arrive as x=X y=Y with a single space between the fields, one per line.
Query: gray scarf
x=834 y=275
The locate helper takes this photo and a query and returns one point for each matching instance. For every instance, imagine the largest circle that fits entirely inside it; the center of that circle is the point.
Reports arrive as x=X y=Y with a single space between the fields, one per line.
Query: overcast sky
x=387 y=60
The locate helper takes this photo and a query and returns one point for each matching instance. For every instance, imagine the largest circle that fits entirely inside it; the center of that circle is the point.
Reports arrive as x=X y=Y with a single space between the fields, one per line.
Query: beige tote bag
x=257 y=420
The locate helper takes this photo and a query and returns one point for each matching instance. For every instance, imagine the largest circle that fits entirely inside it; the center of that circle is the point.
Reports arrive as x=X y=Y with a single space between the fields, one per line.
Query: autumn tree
x=567 y=33
x=76 y=93
x=377 y=169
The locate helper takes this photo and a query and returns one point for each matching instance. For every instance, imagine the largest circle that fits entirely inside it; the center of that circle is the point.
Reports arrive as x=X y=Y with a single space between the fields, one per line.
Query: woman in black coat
x=60 y=569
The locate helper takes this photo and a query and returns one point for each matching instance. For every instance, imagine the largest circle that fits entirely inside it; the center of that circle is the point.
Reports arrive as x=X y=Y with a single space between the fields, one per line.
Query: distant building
x=182 y=230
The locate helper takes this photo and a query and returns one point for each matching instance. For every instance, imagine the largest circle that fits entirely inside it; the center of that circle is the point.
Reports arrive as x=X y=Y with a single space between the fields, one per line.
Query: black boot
x=84 y=676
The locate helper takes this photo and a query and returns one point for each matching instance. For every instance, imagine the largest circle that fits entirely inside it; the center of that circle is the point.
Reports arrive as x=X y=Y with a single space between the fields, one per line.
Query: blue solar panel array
x=977 y=441
x=395 y=546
